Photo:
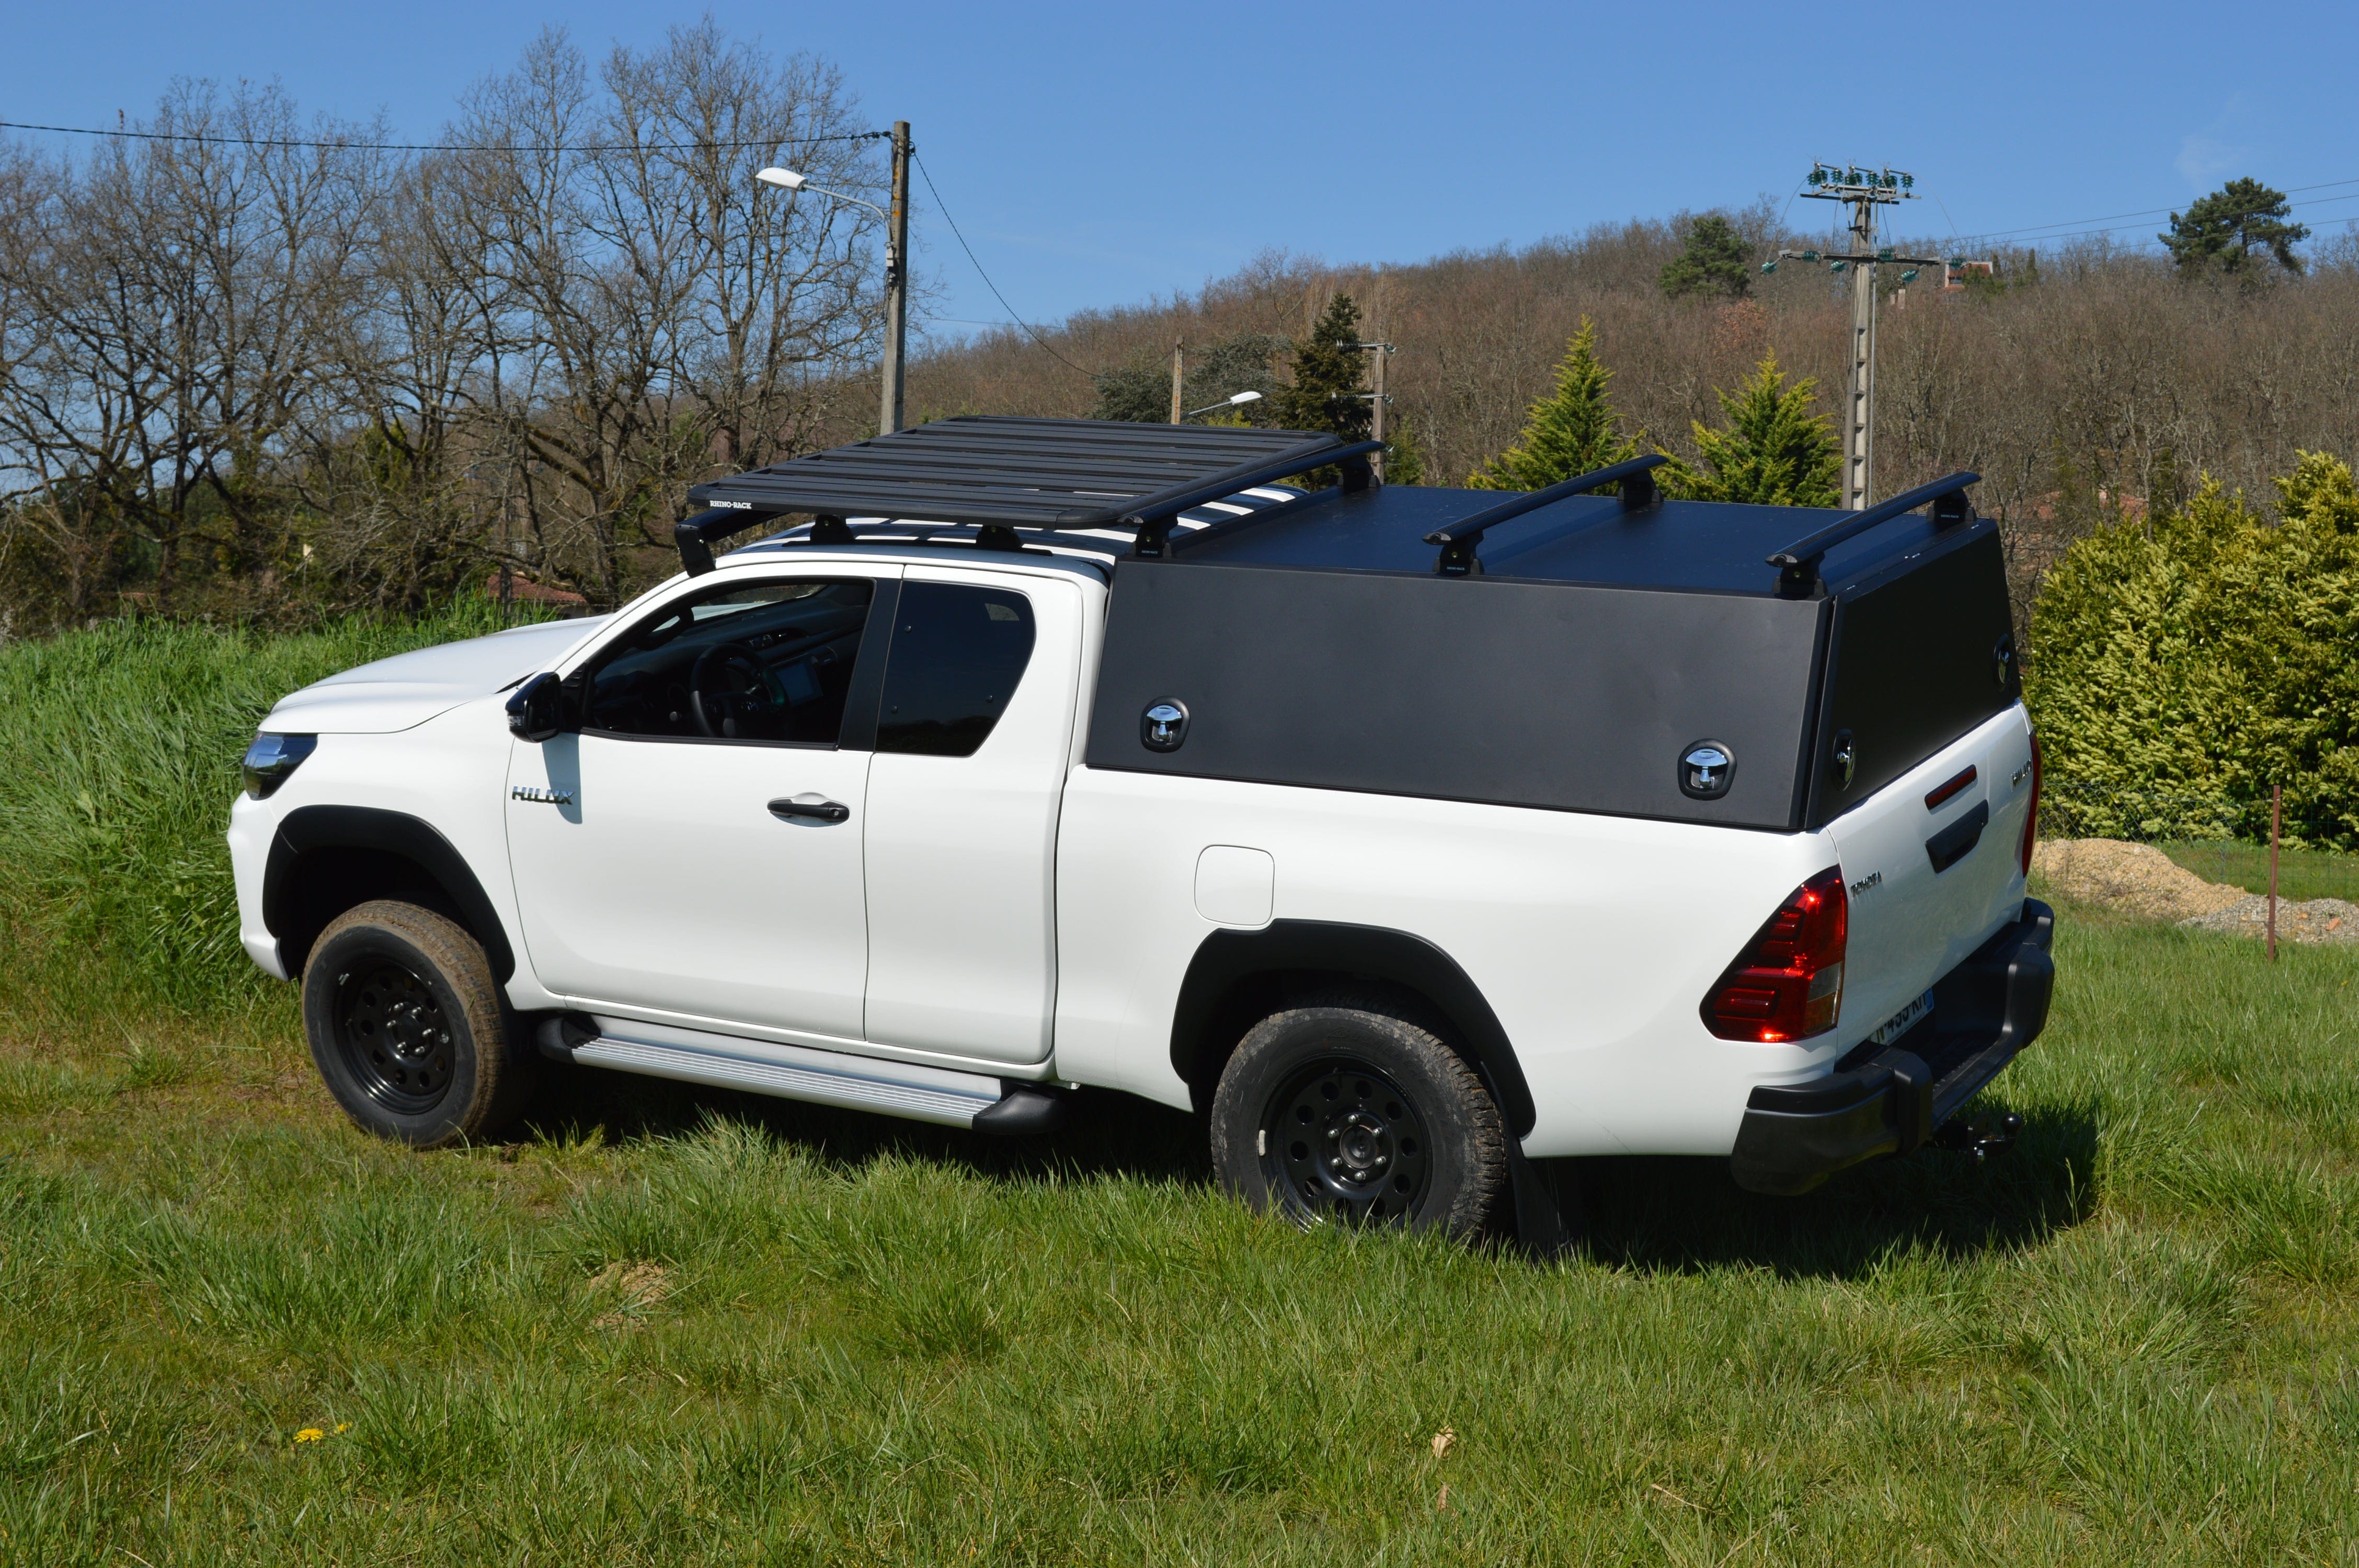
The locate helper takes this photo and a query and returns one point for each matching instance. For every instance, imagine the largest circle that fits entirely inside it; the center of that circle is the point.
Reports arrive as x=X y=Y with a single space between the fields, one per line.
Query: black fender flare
x=1226 y=957
x=313 y=827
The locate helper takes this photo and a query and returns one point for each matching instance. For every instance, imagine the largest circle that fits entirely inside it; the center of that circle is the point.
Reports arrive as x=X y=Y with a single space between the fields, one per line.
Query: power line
x=1012 y=316
x=449 y=146
x=2258 y=211
x=2152 y=213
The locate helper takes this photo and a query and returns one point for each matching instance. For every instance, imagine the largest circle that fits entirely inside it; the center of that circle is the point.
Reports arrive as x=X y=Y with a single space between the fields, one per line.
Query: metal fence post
x=2277 y=806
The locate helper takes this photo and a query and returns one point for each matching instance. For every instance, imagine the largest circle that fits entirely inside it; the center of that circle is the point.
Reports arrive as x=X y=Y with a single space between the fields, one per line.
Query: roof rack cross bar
x=1458 y=540
x=1798 y=563
x=1152 y=515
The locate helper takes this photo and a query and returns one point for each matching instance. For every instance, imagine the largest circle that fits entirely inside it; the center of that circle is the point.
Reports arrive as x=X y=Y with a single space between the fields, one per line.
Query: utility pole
x=897 y=284
x=1178 y=350
x=1377 y=402
x=1863 y=190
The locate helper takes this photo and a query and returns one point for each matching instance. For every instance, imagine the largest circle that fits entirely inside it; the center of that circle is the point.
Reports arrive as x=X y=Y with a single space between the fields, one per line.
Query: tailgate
x=1932 y=865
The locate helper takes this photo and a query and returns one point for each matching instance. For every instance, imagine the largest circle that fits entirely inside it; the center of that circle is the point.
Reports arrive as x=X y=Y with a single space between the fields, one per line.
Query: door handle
x=797 y=808
x=1956 y=841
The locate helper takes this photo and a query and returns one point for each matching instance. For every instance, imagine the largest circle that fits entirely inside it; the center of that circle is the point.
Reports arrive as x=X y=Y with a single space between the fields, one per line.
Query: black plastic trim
x=1226 y=959
x=1956 y=841
x=1890 y=1102
x=1022 y=1110
x=314 y=828
x=865 y=702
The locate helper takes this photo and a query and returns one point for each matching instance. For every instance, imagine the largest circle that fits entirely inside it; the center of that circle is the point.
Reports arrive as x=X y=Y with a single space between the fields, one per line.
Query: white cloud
x=2203 y=159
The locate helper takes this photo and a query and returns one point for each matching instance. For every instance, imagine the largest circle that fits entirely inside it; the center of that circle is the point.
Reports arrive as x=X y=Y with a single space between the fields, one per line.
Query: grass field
x=2301 y=873
x=665 y=1325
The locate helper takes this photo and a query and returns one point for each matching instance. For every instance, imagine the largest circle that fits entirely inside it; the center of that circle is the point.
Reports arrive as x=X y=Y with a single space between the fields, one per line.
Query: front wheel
x=1351 y=1115
x=405 y=1025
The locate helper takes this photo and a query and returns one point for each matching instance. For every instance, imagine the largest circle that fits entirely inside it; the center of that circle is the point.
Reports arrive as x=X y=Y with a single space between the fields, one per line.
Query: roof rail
x=1458 y=540
x=1798 y=563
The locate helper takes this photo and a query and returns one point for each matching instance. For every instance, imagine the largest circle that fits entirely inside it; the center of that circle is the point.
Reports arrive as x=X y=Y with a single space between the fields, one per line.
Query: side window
x=767 y=662
x=957 y=655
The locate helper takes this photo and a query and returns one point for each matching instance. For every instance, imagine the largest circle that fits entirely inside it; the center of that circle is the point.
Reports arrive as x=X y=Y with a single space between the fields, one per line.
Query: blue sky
x=1097 y=155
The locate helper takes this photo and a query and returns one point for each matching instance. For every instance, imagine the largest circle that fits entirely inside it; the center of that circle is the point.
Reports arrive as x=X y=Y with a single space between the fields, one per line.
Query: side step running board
x=821 y=1077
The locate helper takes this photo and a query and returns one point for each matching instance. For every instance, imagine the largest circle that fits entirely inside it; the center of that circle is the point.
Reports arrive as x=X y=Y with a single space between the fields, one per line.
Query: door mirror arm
x=537 y=709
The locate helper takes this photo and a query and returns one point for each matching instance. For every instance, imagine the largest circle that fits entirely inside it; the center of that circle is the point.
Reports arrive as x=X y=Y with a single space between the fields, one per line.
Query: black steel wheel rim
x=1340 y=1141
x=395 y=1037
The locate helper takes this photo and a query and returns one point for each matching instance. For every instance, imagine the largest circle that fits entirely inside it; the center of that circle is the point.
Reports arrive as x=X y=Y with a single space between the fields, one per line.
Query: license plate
x=1904 y=1021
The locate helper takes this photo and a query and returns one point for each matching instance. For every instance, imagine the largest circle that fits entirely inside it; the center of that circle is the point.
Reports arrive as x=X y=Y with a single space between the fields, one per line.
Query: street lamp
x=896 y=247
x=1239 y=401
x=793 y=180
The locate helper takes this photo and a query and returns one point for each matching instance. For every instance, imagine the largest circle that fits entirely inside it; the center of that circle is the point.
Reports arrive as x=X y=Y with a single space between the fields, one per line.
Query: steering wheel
x=738 y=706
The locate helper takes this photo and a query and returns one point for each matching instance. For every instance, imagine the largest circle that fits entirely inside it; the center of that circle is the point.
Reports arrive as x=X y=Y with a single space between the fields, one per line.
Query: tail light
x=2031 y=818
x=1788 y=983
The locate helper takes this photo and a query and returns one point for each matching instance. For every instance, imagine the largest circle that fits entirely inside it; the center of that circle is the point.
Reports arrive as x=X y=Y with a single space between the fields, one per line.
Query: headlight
x=271 y=758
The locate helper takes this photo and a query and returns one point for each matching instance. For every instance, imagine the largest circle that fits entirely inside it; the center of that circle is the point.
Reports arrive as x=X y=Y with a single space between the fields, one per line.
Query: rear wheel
x=1353 y=1116
x=405 y=1025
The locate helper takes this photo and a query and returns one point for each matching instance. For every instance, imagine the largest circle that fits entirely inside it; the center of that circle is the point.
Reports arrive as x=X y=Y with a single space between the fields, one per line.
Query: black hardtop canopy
x=1715 y=547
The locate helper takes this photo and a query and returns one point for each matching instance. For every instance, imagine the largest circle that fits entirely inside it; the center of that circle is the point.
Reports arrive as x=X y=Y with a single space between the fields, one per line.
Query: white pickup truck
x=1417 y=835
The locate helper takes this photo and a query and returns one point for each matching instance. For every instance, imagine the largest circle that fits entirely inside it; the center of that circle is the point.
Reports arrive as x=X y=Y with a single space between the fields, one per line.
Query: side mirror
x=536 y=707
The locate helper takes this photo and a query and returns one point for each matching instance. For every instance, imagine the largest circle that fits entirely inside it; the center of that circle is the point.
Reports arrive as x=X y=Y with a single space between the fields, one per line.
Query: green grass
x=670 y=1325
x=2301 y=873
x=119 y=750
x=667 y=1325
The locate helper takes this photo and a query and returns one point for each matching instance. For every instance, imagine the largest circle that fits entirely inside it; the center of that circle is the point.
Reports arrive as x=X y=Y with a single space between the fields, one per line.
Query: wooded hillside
x=2080 y=384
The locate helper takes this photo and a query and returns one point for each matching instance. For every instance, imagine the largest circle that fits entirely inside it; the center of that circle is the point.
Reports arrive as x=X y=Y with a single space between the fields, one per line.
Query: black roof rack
x=1458 y=541
x=998 y=472
x=1798 y=563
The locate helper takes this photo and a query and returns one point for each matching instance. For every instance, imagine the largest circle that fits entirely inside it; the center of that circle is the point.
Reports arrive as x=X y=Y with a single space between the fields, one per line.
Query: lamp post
x=896 y=279
x=1238 y=401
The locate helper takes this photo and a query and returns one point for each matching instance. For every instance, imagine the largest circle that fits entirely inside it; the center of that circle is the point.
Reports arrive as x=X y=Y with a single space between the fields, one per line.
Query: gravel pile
x=2136 y=879
x=2306 y=920
x=2139 y=878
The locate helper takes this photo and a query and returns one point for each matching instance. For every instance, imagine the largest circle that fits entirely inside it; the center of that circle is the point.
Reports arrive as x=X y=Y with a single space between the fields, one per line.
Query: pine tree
x=1326 y=393
x=1717 y=261
x=1774 y=451
x=1405 y=463
x=2221 y=232
x=1569 y=432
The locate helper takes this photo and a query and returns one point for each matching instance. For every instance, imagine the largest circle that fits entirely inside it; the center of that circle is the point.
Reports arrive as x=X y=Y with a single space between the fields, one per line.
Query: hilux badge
x=1164 y=725
x=1705 y=769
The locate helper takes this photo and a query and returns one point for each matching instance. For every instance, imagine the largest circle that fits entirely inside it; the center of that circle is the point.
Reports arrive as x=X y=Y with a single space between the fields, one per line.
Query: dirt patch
x=2136 y=879
x=2323 y=920
x=636 y=1287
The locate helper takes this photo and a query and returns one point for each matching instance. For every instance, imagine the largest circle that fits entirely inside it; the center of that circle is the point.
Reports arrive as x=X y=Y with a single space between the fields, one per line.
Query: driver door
x=694 y=853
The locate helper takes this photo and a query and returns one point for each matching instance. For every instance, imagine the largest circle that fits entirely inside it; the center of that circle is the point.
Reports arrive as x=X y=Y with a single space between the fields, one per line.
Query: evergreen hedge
x=2205 y=655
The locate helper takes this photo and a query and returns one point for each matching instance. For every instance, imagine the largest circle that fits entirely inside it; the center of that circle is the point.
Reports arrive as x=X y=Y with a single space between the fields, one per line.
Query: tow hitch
x=1981 y=1139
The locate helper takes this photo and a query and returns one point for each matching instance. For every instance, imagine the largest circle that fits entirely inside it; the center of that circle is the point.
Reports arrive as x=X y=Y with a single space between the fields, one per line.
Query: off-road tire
x=405 y=1026
x=1347 y=1114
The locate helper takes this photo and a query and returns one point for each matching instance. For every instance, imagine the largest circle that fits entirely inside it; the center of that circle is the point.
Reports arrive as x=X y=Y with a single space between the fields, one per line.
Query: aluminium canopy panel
x=1557 y=695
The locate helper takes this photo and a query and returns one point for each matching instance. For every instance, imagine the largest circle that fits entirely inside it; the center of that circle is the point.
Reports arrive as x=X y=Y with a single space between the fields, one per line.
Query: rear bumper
x=1888 y=1101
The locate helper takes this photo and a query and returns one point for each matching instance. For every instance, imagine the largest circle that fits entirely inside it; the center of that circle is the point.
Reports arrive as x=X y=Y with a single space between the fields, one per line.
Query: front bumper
x=1889 y=1101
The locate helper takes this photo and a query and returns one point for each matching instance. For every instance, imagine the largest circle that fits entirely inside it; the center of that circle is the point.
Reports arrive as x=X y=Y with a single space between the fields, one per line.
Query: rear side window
x=957 y=655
